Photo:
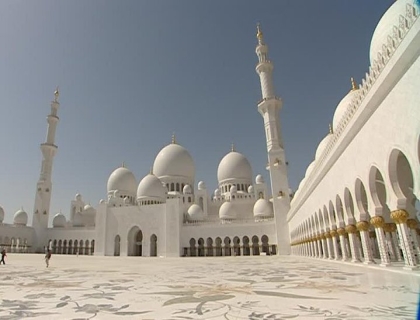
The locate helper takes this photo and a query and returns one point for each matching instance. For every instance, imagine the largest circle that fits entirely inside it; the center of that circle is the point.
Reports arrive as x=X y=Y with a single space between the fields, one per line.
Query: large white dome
x=263 y=209
x=342 y=108
x=1 y=215
x=234 y=166
x=151 y=187
x=123 y=180
x=227 y=211
x=20 y=218
x=322 y=145
x=174 y=161
x=384 y=28
x=59 y=220
x=195 y=213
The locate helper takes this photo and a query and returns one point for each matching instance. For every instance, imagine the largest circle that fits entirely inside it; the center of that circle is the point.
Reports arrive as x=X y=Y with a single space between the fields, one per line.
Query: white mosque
x=356 y=202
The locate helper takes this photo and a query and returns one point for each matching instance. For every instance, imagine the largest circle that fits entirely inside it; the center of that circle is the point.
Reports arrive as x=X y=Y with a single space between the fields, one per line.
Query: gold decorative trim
x=351 y=228
x=377 y=221
x=399 y=216
x=333 y=233
x=362 y=226
x=341 y=231
x=412 y=223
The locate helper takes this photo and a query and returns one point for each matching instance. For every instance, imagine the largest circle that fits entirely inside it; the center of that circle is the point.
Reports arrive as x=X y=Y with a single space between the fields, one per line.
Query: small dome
x=102 y=201
x=227 y=211
x=78 y=197
x=233 y=189
x=309 y=169
x=201 y=185
x=87 y=207
x=384 y=28
x=59 y=221
x=123 y=180
x=251 y=189
x=20 y=218
x=195 y=213
x=259 y=179
x=1 y=215
x=322 y=146
x=151 y=187
x=187 y=189
x=217 y=193
x=263 y=209
x=342 y=107
x=234 y=166
x=174 y=161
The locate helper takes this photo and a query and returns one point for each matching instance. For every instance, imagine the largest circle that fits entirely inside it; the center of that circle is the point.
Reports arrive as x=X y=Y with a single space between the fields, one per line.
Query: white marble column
x=412 y=225
x=388 y=240
x=378 y=222
x=400 y=218
x=363 y=227
x=342 y=232
x=335 y=244
x=329 y=245
x=355 y=254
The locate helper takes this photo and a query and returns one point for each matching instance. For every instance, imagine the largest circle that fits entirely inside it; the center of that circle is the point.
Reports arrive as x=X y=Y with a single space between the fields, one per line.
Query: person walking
x=3 y=255
x=47 y=258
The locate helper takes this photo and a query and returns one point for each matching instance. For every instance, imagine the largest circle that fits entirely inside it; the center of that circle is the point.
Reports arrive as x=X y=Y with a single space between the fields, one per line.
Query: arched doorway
x=227 y=246
x=201 y=247
x=236 y=246
x=246 y=250
x=117 y=243
x=134 y=240
x=218 y=246
x=153 y=246
x=255 y=246
x=265 y=246
x=192 y=247
x=209 y=247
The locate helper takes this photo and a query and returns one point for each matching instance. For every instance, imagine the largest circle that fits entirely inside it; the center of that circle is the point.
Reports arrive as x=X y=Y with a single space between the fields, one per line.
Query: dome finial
x=173 y=138
x=123 y=164
x=354 y=85
x=232 y=147
x=330 y=129
x=151 y=170
x=259 y=34
x=56 y=94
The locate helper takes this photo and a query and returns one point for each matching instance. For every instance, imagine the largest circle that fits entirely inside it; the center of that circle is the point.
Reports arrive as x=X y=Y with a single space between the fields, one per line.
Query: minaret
x=44 y=185
x=269 y=108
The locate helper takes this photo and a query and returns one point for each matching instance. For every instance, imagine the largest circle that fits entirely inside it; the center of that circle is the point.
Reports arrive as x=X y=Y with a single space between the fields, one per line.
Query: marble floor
x=263 y=287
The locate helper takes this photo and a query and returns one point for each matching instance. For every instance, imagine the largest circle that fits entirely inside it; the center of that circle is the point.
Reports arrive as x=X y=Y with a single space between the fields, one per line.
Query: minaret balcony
x=267 y=99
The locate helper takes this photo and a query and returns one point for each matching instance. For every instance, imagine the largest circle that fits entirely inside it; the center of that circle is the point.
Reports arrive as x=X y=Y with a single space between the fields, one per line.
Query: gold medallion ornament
x=362 y=226
x=351 y=228
x=399 y=216
x=341 y=231
x=377 y=221
x=412 y=223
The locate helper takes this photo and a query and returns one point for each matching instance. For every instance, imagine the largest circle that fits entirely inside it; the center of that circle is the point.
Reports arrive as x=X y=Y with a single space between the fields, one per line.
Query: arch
x=236 y=246
x=177 y=187
x=65 y=247
x=378 y=189
x=70 y=250
x=401 y=175
x=80 y=247
x=92 y=247
x=349 y=205
x=76 y=246
x=135 y=242
x=192 y=247
x=153 y=245
x=201 y=203
x=59 y=247
x=86 y=247
x=339 y=210
x=201 y=247
x=218 y=246
x=326 y=218
x=255 y=246
x=265 y=246
x=361 y=200
x=332 y=215
x=227 y=242
x=117 y=245
x=209 y=244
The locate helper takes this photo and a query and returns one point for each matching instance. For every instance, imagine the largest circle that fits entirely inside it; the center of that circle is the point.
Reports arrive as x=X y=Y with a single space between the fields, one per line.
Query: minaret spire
x=44 y=185
x=269 y=107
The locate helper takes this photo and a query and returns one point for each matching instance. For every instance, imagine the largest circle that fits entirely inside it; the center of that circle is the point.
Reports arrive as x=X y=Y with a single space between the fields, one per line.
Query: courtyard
x=256 y=287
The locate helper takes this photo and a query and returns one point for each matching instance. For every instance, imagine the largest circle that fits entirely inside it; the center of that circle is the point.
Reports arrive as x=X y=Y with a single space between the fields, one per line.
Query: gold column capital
x=327 y=235
x=399 y=216
x=351 y=228
x=341 y=231
x=377 y=221
x=333 y=233
x=362 y=226
x=412 y=223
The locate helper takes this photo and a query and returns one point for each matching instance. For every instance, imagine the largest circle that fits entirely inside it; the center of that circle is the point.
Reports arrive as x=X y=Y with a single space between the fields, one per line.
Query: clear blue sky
x=133 y=72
